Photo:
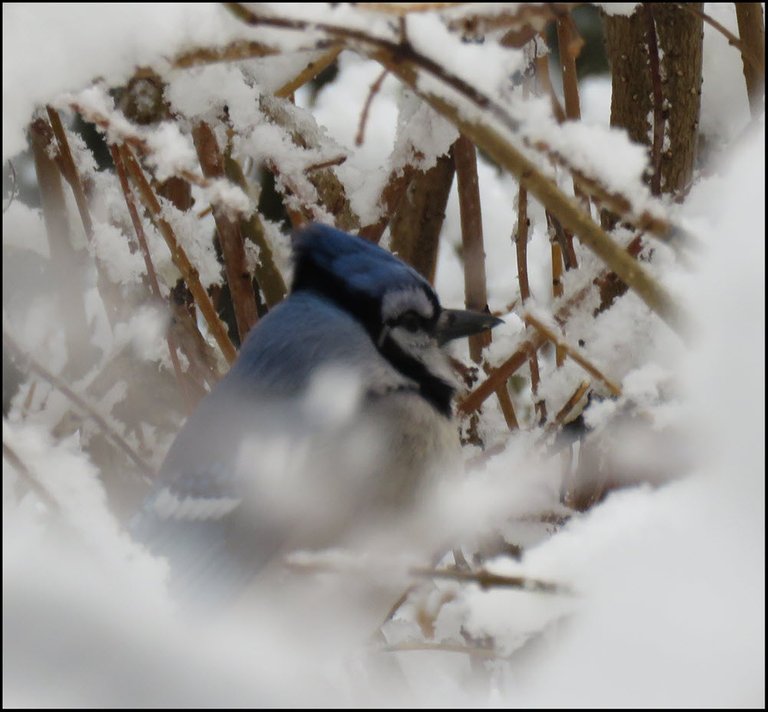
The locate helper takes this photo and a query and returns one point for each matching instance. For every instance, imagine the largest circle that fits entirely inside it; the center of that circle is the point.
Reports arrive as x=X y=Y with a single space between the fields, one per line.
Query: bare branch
x=27 y=361
x=178 y=255
x=151 y=274
x=230 y=237
x=578 y=357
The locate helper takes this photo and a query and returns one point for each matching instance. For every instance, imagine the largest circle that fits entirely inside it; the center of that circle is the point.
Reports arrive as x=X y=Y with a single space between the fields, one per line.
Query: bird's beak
x=455 y=323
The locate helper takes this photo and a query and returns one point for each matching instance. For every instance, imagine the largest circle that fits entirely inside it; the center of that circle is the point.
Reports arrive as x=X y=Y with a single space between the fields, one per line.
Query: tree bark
x=415 y=229
x=680 y=37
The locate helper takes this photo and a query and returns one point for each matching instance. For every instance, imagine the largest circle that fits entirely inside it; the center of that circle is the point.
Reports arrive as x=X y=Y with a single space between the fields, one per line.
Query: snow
x=724 y=104
x=105 y=40
x=661 y=586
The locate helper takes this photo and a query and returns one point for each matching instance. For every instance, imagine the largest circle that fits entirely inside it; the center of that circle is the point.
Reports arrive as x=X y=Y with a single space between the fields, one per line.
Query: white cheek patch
x=424 y=349
x=400 y=301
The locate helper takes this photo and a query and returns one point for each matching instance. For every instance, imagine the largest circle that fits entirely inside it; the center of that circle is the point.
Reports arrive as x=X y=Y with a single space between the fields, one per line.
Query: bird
x=334 y=419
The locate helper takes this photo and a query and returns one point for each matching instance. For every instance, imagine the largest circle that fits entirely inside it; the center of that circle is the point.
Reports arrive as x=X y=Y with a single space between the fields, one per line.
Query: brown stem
x=179 y=256
x=570 y=214
x=565 y=240
x=337 y=161
x=233 y=52
x=473 y=251
x=521 y=243
x=403 y=61
x=270 y=280
x=486 y=579
x=151 y=274
x=528 y=347
x=472 y=401
x=507 y=407
x=557 y=288
x=70 y=171
x=569 y=44
x=230 y=237
x=570 y=404
x=539 y=404
x=578 y=357
x=331 y=193
x=309 y=72
x=372 y=92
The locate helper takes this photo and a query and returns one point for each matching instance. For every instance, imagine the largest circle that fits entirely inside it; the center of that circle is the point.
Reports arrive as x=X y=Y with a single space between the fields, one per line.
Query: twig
x=472 y=401
x=151 y=274
x=309 y=72
x=179 y=257
x=529 y=346
x=565 y=240
x=330 y=204
x=473 y=251
x=269 y=279
x=569 y=44
x=403 y=61
x=486 y=579
x=86 y=408
x=372 y=92
x=233 y=52
x=70 y=171
x=570 y=404
x=523 y=15
x=337 y=161
x=134 y=140
x=539 y=404
x=587 y=365
x=557 y=288
x=230 y=237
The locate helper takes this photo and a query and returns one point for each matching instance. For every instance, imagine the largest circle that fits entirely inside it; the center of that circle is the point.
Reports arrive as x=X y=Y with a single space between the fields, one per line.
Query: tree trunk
x=673 y=75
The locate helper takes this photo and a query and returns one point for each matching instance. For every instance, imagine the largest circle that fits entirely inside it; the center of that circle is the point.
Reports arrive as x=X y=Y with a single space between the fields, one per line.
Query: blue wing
x=194 y=515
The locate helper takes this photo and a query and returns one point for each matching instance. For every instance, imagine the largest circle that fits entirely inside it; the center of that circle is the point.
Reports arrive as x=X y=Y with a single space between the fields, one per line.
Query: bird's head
x=395 y=304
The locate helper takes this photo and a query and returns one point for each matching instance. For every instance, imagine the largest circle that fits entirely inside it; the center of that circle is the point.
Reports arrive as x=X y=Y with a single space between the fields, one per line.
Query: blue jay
x=336 y=414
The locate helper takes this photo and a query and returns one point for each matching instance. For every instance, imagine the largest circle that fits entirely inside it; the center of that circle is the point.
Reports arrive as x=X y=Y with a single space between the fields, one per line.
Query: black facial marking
x=309 y=276
x=434 y=390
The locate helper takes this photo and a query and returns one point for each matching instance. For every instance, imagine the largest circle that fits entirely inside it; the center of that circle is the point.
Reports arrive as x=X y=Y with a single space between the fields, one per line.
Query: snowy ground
x=668 y=582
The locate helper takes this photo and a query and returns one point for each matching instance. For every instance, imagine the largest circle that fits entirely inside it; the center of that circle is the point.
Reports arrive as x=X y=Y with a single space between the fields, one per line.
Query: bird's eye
x=410 y=321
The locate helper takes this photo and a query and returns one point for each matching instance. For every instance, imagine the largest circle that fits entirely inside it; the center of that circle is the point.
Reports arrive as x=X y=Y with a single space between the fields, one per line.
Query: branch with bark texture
x=405 y=62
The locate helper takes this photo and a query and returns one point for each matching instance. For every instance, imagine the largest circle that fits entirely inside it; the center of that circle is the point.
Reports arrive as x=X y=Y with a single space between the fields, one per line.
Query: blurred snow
x=669 y=589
